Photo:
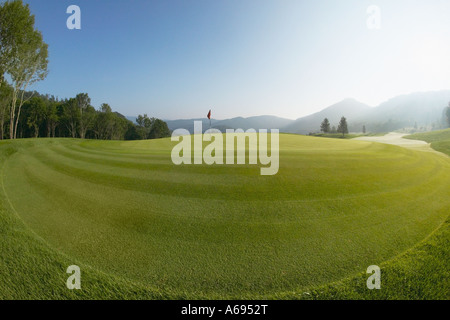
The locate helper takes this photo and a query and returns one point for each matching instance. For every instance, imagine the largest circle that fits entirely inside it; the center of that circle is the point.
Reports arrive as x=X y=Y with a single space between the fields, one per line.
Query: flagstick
x=209 y=128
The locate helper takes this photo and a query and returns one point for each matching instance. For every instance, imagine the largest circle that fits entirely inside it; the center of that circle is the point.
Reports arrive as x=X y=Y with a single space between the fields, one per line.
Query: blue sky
x=178 y=59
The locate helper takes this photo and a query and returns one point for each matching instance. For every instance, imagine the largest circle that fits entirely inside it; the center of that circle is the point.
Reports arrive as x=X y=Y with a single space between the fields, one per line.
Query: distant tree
x=71 y=116
x=105 y=108
x=35 y=110
x=120 y=127
x=144 y=126
x=83 y=102
x=343 y=127
x=364 y=129
x=434 y=126
x=51 y=118
x=447 y=114
x=333 y=129
x=140 y=120
x=132 y=132
x=104 y=122
x=325 y=126
x=87 y=119
x=159 y=130
x=151 y=128
x=5 y=103
x=109 y=125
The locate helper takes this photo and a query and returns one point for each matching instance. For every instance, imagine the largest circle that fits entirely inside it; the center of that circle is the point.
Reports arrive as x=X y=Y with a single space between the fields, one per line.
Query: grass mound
x=440 y=140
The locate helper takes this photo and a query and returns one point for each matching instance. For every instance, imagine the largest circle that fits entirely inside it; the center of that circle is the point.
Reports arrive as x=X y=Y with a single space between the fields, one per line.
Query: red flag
x=209 y=115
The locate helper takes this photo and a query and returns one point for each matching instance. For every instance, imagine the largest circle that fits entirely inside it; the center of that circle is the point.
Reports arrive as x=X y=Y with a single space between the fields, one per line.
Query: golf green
x=123 y=208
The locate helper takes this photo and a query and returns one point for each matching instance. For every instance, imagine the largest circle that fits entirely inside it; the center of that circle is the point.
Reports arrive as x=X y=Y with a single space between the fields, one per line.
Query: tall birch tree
x=24 y=54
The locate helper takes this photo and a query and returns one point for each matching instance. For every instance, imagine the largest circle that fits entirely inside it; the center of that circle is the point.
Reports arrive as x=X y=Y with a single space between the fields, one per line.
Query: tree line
x=447 y=114
x=47 y=116
x=25 y=114
x=342 y=128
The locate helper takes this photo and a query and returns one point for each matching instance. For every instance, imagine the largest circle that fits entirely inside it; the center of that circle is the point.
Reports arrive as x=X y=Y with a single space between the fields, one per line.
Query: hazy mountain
x=423 y=108
x=188 y=124
x=258 y=122
x=350 y=108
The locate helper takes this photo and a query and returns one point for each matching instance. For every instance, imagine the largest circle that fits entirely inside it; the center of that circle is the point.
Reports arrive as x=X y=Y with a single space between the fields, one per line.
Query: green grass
x=348 y=135
x=420 y=273
x=140 y=227
x=440 y=140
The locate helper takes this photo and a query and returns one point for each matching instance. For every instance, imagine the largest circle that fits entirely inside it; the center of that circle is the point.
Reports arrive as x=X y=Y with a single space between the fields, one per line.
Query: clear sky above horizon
x=290 y=58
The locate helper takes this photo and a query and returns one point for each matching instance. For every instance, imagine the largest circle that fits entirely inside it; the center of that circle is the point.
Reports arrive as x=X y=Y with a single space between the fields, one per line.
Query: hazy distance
x=178 y=59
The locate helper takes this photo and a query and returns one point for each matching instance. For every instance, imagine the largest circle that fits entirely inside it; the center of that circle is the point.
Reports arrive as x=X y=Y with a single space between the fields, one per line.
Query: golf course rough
x=141 y=227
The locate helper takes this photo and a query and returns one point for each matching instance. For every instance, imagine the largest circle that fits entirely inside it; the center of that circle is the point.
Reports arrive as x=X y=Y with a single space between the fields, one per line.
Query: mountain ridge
x=406 y=110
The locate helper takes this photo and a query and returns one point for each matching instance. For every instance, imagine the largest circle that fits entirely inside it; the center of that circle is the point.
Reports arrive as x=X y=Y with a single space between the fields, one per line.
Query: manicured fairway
x=122 y=208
